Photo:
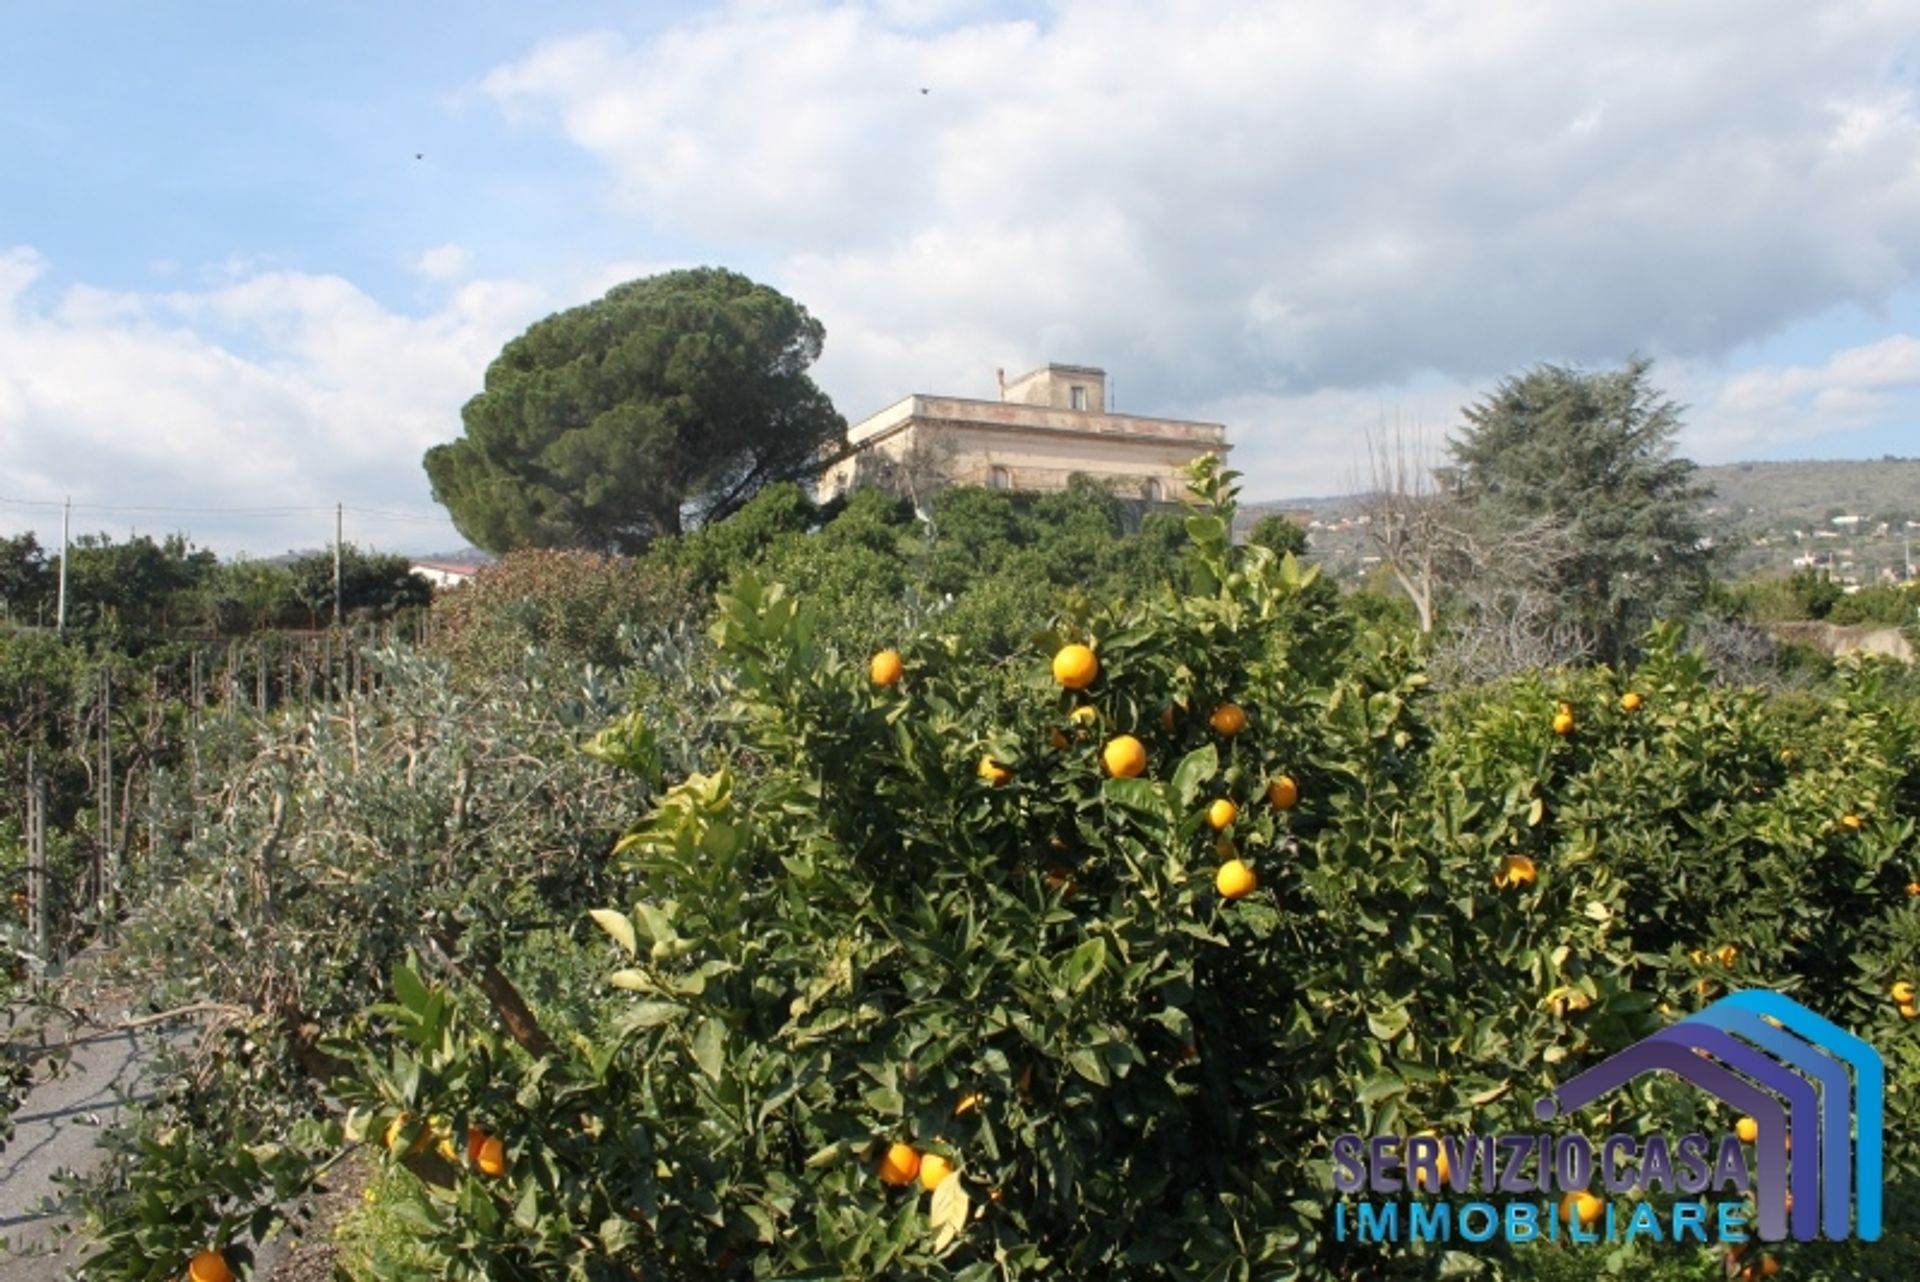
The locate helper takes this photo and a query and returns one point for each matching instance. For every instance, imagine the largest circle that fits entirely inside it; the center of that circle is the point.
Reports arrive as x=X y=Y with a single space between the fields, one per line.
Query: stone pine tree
x=1587 y=459
x=673 y=399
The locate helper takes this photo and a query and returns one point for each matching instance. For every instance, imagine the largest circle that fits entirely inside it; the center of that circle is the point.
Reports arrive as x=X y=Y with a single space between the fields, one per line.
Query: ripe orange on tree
x=1902 y=992
x=486 y=1151
x=1747 y=1129
x=1075 y=666
x=886 y=668
x=1284 y=793
x=1125 y=757
x=1563 y=721
x=1630 y=701
x=1515 y=871
x=209 y=1266
x=993 y=772
x=1228 y=719
x=1852 y=822
x=899 y=1165
x=1585 y=1204
x=1221 y=814
x=934 y=1169
x=1235 y=880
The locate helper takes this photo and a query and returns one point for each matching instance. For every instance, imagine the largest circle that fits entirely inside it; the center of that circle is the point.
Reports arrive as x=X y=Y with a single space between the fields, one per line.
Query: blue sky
x=226 y=281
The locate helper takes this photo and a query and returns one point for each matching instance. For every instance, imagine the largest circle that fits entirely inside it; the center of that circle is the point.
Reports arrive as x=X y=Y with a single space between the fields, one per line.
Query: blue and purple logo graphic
x=1829 y=1127
x=1813 y=1093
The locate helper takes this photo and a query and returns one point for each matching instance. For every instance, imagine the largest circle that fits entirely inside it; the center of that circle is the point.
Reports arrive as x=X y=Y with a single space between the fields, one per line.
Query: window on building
x=999 y=479
x=1153 y=492
x=1079 y=398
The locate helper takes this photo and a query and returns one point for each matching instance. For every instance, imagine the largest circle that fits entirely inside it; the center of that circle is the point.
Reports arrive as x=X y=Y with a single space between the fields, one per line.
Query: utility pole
x=66 y=527
x=337 y=522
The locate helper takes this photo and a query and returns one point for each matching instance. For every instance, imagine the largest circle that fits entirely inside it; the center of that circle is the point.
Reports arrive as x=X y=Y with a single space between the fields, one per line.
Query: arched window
x=1153 y=492
x=998 y=478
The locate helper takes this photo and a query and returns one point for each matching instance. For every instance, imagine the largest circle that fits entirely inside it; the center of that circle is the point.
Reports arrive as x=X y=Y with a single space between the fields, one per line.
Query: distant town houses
x=445 y=574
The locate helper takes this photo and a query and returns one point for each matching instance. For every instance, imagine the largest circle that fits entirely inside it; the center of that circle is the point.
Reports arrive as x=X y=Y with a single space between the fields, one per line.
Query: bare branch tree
x=1408 y=523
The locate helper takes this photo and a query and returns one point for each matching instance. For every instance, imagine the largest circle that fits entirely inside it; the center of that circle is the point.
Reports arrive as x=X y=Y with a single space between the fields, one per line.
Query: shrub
x=571 y=605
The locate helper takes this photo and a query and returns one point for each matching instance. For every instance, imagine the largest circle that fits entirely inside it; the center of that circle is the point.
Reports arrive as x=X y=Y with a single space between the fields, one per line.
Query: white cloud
x=1766 y=408
x=274 y=389
x=444 y=262
x=1257 y=197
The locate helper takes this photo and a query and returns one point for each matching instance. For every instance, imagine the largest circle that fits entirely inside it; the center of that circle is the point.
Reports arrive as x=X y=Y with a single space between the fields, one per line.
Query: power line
x=281 y=511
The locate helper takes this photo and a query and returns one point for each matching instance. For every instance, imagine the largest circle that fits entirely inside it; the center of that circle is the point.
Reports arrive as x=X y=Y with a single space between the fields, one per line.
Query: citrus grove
x=924 y=965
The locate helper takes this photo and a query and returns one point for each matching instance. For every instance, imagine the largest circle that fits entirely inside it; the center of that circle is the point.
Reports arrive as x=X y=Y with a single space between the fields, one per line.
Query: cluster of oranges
x=902 y=1164
x=1124 y=756
x=1904 y=995
x=484 y=1149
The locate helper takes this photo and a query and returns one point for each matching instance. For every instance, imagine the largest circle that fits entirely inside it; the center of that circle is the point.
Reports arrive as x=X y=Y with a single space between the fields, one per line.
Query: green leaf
x=658 y=926
x=1090 y=1066
x=1196 y=768
x=527 y=1212
x=618 y=925
x=710 y=1048
x=411 y=993
x=947 y=1213
x=636 y=981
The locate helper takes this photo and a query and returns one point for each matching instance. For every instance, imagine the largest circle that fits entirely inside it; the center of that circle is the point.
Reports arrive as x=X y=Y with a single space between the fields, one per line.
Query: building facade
x=1047 y=426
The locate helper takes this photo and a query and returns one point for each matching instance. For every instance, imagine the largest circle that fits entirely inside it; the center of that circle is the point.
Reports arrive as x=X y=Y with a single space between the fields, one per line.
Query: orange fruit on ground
x=900 y=1164
x=1235 y=880
x=1852 y=823
x=209 y=1266
x=1228 y=719
x=886 y=668
x=1584 y=1204
x=1075 y=667
x=1125 y=757
x=1284 y=793
x=1563 y=723
x=1747 y=1129
x=933 y=1170
x=1221 y=814
x=993 y=772
x=1902 y=992
x=1630 y=701
x=1515 y=871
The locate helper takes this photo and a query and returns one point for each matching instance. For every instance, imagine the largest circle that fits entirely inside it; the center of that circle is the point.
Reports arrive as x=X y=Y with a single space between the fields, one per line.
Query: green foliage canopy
x=601 y=426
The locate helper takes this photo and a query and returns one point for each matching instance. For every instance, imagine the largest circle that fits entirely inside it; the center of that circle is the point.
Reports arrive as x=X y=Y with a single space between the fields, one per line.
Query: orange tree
x=968 y=973
x=942 y=923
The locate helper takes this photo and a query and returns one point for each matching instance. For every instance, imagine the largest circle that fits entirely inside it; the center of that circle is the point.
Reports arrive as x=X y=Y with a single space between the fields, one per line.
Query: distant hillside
x=1811 y=492
x=1766 y=516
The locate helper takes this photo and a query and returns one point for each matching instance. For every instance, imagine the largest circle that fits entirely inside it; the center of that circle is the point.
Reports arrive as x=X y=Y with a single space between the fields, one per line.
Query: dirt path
x=58 y=1128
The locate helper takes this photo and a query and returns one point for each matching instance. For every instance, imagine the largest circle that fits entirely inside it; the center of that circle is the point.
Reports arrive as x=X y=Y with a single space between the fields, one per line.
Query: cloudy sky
x=253 y=258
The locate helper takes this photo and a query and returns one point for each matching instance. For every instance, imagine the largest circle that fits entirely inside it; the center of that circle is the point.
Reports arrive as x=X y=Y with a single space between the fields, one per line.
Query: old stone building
x=1046 y=426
